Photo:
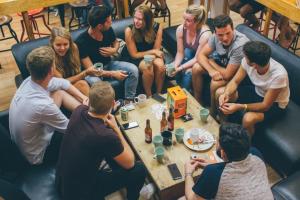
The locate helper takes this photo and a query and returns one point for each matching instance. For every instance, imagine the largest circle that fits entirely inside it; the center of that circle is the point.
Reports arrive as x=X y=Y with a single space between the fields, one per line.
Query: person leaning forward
x=92 y=136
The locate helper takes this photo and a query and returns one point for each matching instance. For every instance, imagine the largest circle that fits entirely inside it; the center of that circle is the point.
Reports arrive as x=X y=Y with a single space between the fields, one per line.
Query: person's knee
x=197 y=70
x=219 y=91
x=133 y=70
x=82 y=84
x=249 y=119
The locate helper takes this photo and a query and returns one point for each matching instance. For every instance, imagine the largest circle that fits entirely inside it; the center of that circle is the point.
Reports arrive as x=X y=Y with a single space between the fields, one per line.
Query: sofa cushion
x=281 y=55
x=279 y=141
x=11 y=192
x=287 y=189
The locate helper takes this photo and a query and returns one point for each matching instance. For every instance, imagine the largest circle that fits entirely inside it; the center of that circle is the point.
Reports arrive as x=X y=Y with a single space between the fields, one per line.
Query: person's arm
x=89 y=69
x=228 y=72
x=131 y=46
x=203 y=60
x=202 y=42
x=72 y=90
x=158 y=39
x=125 y=159
x=180 y=49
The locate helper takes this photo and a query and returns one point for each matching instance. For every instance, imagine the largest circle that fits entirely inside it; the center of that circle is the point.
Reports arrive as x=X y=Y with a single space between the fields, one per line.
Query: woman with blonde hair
x=191 y=36
x=142 y=38
x=67 y=61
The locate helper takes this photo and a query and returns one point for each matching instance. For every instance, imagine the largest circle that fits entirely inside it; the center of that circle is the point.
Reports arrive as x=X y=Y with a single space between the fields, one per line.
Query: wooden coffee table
x=178 y=153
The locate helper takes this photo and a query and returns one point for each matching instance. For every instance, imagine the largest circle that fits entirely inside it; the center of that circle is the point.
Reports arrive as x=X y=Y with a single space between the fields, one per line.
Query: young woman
x=191 y=36
x=144 y=37
x=67 y=60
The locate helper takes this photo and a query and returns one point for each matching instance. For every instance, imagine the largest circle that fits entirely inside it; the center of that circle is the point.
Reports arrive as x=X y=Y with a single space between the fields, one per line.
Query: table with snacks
x=178 y=153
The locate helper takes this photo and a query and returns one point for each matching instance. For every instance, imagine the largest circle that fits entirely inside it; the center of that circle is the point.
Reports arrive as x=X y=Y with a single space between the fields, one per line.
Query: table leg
x=267 y=22
x=28 y=26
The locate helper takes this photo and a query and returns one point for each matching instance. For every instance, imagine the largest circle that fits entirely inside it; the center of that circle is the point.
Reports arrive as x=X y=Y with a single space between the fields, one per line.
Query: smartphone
x=130 y=125
x=158 y=98
x=175 y=173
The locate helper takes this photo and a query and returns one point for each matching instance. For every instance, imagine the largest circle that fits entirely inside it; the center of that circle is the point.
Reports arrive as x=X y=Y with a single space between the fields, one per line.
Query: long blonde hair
x=199 y=13
x=147 y=31
x=69 y=64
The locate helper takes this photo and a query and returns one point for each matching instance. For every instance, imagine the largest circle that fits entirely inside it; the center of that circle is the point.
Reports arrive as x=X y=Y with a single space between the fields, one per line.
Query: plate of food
x=198 y=139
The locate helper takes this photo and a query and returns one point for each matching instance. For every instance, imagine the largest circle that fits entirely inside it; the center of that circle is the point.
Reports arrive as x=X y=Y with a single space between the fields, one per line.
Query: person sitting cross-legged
x=242 y=175
x=97 y=44
x=35 y=121
x=220 y=58
x=269 y=93
x=93 y=135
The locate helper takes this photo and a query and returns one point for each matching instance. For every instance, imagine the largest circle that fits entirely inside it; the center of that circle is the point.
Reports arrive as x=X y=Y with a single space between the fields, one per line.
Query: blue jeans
x=130 y=82
x=184 y=78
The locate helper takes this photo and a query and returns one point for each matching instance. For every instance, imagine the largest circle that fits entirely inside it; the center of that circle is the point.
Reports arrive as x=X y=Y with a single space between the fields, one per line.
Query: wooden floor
x=9 y=68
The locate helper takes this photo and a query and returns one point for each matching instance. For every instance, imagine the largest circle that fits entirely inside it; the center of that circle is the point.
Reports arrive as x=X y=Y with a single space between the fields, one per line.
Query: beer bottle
x=163 y=122
x=171 y=120
x=148 y=132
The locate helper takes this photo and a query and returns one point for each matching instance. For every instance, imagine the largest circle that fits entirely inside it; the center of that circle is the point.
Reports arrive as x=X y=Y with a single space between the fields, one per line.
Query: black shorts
x=247 y=95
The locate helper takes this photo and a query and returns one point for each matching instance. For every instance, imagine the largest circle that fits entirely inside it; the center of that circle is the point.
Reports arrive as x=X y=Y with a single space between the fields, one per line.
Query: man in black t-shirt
x=98 y=43
x=93 y=136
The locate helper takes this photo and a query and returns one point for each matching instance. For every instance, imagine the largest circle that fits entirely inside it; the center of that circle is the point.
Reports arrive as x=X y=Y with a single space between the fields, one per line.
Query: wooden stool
x=33 y=15
x=167 y=14
x=77 y=10
x=273 y=25
x=5 y=20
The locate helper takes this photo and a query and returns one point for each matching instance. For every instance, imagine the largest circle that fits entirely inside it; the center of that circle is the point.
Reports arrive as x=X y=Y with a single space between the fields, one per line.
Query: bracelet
x=188 y=174
x=245 y=107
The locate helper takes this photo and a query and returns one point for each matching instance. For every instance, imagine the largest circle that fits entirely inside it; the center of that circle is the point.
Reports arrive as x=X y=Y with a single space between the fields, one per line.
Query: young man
x=98 y=44
x=34 y=112
x=226 y=45
x=92 y=136
x=269 y=94
x=242 y=175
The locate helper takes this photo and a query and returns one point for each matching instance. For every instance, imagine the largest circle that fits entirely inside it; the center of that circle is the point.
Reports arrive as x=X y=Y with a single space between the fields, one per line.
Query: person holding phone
x=93 y=136
x=229 y=180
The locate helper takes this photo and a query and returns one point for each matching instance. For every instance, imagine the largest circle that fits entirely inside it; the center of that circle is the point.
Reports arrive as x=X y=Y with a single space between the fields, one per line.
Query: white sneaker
x=147 y=191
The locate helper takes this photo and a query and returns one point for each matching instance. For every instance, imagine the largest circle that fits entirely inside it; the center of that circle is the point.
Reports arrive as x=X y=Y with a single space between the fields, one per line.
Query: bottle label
x=170 y=125
x=148 y=138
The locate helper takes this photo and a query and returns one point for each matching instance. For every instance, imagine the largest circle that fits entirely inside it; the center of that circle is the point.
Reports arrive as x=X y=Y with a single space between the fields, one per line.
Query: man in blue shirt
x=242 y=175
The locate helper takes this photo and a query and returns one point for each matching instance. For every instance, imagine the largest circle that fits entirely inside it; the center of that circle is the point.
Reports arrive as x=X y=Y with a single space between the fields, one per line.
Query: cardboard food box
x=177 y=99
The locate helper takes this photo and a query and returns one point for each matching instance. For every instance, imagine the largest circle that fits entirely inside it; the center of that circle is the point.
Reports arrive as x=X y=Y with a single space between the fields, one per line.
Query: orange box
x=177 y=100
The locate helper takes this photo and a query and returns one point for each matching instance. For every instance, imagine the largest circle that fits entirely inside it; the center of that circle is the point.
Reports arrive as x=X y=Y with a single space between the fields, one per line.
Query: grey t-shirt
x=234 y=53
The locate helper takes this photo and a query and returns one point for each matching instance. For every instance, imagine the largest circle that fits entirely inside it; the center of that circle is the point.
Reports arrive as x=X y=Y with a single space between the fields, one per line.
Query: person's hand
x=229 y=108
x=111 y=122
x=216 y=76
x=176 y=71
x=158 y=53
x=119 y=75
x=107 y=51
x=202 y=162
x=92 y=71
x=85 y=101
x=190 y=166
x=223 y=98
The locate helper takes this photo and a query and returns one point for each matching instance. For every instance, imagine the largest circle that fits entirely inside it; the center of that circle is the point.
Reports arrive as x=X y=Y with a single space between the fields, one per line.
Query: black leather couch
x=21 y=50
x=279 y=141
x=38 y=181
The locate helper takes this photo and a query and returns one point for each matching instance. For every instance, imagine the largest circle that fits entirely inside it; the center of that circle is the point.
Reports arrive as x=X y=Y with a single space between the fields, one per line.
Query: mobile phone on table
x=130 y=125
x=175 y=173
x=158 y=98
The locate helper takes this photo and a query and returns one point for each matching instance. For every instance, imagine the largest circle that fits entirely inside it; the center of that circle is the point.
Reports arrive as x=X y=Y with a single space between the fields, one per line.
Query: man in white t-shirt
x=269 y=94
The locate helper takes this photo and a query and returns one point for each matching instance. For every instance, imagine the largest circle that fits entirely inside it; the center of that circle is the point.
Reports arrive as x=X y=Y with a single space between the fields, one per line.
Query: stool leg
x=13 y=33
x=36 y=26
x=2 y=31
x=23 y=31
x=72 y=18
x=44 y=20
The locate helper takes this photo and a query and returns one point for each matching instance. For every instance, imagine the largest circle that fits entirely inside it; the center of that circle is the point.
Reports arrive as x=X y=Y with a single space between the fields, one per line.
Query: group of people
x=63 y=74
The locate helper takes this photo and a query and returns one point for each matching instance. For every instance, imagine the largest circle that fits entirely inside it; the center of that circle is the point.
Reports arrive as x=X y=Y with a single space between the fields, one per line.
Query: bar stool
x=273 y=25
x=294 y=43
x=79 y=9
x=167 y=13
x=5 y=20
x=33 y=15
